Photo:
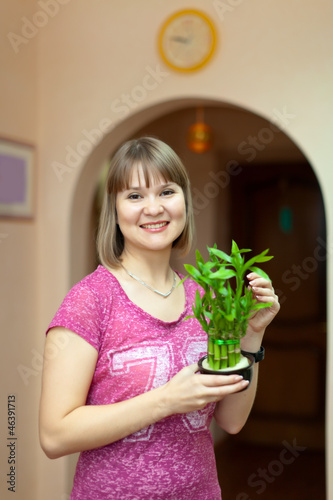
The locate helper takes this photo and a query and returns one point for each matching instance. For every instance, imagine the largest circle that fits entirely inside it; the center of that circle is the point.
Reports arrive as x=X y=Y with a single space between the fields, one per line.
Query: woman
x=123 y=389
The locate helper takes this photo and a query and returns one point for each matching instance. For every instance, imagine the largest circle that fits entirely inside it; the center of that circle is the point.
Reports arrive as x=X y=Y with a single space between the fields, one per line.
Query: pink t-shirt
x=172 y=459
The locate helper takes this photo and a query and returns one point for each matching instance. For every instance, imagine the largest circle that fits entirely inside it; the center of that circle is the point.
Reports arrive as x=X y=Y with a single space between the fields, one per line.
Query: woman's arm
x=232 y=412
x=68 y=425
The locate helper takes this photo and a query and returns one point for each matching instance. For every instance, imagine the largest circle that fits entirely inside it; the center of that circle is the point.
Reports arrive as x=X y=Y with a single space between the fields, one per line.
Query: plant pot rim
x=246 y=371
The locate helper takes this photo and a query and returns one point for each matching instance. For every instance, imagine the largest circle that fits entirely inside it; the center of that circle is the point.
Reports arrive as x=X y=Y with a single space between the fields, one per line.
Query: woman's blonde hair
x=157 y=160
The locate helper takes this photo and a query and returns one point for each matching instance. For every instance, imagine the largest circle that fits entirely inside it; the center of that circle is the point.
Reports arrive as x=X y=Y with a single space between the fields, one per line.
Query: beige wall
x=19 y=271
x=67 y=79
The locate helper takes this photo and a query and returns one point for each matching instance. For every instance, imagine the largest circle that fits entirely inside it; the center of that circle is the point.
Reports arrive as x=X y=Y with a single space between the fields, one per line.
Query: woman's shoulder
x=96 y=280
x=86 y=307
x=95 y=287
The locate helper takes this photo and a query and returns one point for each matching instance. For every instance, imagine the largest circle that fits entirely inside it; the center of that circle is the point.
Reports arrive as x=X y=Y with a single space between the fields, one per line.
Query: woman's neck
x=153 y=267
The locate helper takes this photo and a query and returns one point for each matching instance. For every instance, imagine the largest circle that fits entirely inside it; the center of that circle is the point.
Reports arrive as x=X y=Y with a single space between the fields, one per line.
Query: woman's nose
x=153 y=206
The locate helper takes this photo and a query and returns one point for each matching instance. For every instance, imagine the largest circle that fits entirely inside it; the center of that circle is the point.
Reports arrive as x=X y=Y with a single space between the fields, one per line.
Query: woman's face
x=150 y=218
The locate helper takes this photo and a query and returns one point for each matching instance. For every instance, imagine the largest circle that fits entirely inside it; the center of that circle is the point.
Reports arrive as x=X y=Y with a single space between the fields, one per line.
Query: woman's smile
x=156 y=226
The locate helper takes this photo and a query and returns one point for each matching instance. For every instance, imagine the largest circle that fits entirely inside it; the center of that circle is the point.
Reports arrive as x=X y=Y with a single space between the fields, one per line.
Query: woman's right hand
x=190 y=391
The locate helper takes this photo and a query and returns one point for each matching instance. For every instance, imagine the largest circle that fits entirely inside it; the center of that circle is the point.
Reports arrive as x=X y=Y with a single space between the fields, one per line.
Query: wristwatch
x=258 y=356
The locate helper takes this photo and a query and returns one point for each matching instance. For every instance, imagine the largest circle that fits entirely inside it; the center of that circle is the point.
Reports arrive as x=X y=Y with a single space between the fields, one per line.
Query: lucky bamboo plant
x=226 y=304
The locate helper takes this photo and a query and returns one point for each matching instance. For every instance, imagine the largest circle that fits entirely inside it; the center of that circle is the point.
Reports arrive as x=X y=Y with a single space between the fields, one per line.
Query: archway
x=252 y=148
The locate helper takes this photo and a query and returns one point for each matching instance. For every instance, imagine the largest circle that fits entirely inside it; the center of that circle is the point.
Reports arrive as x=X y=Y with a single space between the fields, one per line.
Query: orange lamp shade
x=200 y=137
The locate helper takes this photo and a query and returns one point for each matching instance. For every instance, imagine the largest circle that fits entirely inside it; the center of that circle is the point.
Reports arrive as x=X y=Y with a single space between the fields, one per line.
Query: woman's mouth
x=157 y=225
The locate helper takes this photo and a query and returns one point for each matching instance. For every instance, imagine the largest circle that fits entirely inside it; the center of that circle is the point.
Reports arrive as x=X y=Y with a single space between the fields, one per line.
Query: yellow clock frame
x=178 y=18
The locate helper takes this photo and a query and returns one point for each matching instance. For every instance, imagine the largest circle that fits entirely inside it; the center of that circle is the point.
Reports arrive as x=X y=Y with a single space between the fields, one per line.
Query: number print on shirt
x=150 y=366
x=196 y=420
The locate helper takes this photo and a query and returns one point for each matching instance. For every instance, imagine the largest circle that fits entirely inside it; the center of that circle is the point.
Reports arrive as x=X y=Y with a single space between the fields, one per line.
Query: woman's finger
x=263 y=292
x=260 y=282
x=219 y=380
x=220 y=392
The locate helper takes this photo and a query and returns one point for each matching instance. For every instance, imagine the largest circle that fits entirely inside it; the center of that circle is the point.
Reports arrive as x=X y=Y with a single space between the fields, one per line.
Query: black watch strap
x=258 y=356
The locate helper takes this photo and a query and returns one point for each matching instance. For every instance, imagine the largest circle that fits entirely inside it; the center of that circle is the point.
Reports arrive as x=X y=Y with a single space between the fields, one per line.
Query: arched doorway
x=271 y=172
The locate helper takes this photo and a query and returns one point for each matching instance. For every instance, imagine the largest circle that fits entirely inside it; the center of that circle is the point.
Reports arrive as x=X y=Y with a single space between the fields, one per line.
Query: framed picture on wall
x=16 y=179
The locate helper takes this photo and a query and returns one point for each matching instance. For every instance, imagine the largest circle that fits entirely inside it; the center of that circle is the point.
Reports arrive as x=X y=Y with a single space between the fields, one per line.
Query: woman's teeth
x=154 y=226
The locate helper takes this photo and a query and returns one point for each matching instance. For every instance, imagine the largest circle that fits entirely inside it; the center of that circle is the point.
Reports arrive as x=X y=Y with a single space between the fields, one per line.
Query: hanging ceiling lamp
x=200 y=135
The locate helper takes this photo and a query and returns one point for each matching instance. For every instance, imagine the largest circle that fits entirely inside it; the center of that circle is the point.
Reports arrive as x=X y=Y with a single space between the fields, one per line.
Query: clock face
x=187 y=40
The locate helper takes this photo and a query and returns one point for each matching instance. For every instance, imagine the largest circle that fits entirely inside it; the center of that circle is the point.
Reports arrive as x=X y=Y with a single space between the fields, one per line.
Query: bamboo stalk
x=217 y=357
x=237 y=352
x=210 y=352
x=231 y=355
x=224 y=356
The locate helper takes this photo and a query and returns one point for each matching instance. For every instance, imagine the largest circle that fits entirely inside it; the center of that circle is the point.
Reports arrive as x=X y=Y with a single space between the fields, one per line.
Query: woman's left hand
x=264 y=292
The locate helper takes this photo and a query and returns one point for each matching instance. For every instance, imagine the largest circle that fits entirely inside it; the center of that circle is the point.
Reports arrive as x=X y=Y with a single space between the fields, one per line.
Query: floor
x=248 y=472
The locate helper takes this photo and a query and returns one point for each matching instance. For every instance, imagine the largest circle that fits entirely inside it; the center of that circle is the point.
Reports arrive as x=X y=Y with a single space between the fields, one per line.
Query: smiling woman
x=150 y=217
x=137 y=165
x=124 y=389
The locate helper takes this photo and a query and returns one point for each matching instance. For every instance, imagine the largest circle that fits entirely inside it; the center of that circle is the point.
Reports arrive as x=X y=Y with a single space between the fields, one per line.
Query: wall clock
x=187 y=40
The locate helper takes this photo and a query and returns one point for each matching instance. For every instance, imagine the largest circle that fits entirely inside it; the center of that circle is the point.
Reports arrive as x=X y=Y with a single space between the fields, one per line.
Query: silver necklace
x=150 y=287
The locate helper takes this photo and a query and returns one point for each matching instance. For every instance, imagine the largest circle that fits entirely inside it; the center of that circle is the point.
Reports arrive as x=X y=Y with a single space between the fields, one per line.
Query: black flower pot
x=246 y=372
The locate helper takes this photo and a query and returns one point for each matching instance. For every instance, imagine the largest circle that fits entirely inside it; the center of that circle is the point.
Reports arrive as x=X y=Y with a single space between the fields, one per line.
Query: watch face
x=187 y=40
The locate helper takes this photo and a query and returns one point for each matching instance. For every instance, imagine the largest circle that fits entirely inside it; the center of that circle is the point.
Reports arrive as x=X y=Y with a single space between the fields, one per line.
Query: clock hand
x=180 y=39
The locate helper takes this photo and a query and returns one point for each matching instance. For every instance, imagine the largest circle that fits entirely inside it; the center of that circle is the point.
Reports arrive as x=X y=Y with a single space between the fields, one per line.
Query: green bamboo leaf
x=199 y=257
x=229 y=317
x=262 y=257
x=234 y=247
x=237 y=262
x=198 y=304
x=217 y=316
x=182 y=281
x=220 y=254
x=192 y=271
x=228 y=299
x=205 y=268
x=195 y=313
x=222 y=290
x=222 y=274
x=260 y=272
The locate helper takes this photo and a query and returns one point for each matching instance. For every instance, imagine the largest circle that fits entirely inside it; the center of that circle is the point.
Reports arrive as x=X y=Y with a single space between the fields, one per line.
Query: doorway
x=279 y=206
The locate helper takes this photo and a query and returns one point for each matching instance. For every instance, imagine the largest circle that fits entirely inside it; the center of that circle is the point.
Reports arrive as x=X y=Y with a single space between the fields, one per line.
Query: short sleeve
x=80 y=312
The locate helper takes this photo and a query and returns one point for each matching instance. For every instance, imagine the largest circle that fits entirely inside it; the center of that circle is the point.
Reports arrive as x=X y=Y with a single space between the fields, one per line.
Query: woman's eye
x=134 y=196
x=167 y=192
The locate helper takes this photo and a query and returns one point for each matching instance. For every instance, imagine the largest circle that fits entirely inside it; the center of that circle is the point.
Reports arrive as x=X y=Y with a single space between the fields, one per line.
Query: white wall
x=273 y=57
